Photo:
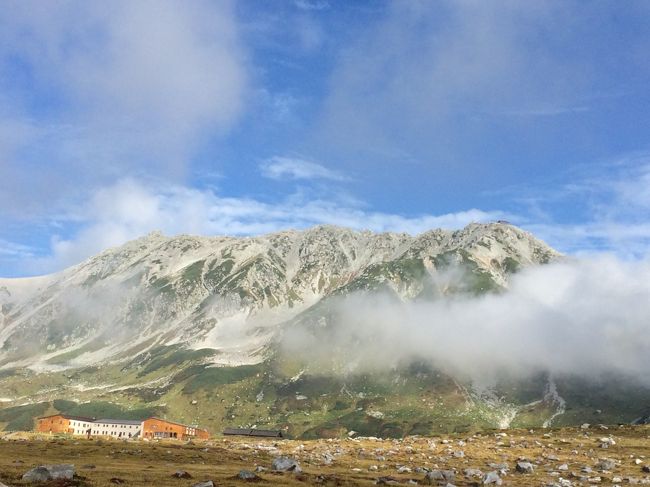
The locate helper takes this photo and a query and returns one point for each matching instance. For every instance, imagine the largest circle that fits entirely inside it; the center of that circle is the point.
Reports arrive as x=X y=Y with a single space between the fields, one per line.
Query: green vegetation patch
x=210 y=377
x=21 y=418
x=167 y=356
x=101 y=409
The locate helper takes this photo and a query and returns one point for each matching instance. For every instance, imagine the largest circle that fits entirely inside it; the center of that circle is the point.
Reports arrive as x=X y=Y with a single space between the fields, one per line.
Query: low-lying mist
x=586 y=317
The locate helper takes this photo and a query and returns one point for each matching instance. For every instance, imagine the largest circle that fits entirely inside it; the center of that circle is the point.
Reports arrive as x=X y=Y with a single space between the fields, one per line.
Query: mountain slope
x=190 y=327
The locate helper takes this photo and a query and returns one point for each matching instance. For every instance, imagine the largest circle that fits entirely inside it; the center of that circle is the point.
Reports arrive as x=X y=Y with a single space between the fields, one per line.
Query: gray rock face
x=286 y=464
x=525 y=467
x=492 y=478
x=178 y=276
x=44 y=473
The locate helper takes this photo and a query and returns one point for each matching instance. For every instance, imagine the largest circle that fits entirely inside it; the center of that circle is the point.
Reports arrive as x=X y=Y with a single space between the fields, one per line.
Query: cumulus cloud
x=131 y=208
x=127 y=87
x=585 y=317
x=293 y=168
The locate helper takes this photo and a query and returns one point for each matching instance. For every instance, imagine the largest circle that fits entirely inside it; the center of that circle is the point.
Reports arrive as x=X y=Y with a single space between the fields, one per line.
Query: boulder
x=439 y=477
x=492 y=478
x=44 y=473
x=606 y=464
x=247 y=475
x=38 y=474
x=182 y=474
x=472 y=472
x=207 y=483
x=388 y=480
x=286 y=464
x=525 y=467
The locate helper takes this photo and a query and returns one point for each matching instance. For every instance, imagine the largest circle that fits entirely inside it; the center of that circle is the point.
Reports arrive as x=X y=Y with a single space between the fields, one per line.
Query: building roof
x=135 y=422
x=252 y=432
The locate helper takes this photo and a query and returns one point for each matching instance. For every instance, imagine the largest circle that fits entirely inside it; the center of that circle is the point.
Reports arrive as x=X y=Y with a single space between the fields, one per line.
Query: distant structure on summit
x=151 y=428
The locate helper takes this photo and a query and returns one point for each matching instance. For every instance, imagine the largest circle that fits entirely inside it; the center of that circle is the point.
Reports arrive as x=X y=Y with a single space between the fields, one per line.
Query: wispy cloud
x=128 y=88
x=293 y=168
x=14 y=250
x=312 y=4
x=610 y=208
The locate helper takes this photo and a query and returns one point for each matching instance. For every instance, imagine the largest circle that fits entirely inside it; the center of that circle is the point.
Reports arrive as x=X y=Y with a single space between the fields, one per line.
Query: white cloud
x=585 y=317
x=292 y=168
x=130 y=208
x=126 y=87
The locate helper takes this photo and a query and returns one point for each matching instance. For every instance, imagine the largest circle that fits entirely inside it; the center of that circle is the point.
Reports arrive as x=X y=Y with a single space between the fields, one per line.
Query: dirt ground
x=562 y=457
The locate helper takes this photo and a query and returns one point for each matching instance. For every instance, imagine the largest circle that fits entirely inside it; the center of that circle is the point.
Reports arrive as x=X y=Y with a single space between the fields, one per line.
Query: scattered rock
x=286 y=464
x=492 y=478
x=117 y=480
x=525 y=467
x=207 y=483
x=646 y=468
x=606 y=464
x=472 y=472
x=247 y=475
x=501 y=467
x=182 y=474
x=564 y=466
x=439 y=476
x=89 y=466
x=459 y=454
x=403 y=469
x=387 y=481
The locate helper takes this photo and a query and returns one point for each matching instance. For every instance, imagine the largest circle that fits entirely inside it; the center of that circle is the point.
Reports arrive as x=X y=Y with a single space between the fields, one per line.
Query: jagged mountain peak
x=189 y=290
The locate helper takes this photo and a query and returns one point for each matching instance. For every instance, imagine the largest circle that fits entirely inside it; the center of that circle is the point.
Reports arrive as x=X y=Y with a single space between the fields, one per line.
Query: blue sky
x=248 y=117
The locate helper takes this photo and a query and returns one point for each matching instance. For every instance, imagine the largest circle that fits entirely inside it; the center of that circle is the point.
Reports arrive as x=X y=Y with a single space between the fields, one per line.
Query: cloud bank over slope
x=586 y=317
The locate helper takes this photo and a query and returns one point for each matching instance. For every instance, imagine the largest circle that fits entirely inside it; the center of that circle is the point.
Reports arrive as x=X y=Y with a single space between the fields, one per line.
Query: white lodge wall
x=116 y=429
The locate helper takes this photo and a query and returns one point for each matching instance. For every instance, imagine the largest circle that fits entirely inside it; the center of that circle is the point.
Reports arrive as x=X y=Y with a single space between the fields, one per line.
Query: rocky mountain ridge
x=189 y=327
x=231 y=294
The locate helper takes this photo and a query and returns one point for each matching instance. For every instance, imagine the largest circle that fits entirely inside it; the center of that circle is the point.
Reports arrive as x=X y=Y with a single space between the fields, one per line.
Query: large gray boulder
x=43 y=473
